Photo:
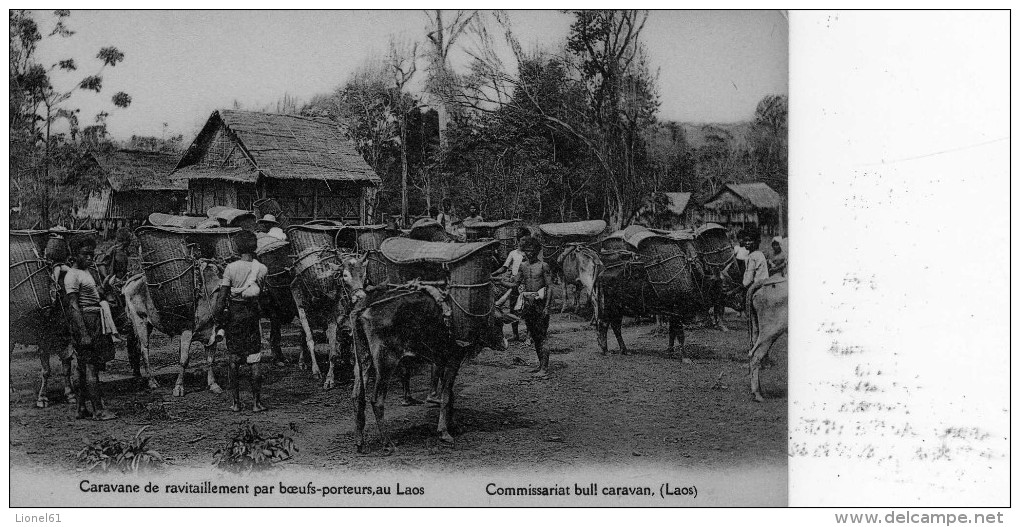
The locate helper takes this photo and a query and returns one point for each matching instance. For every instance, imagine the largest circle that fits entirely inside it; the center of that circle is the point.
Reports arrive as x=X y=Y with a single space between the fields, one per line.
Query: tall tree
x=38 y=152
x=442 y=37
x=402 y=63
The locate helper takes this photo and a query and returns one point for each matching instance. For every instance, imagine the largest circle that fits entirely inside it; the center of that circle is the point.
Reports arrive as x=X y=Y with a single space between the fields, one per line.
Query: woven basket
x=30 y=277
x=670 y=267
x=466 y=267
x=555 y=235
x=316 y=258
x=171 y=274
x=429 y=230
x=713 y=245
x=370 y=238
x=472 y=295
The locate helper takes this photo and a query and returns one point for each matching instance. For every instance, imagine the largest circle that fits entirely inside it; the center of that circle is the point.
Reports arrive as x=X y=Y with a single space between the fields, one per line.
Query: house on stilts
x=305 y=164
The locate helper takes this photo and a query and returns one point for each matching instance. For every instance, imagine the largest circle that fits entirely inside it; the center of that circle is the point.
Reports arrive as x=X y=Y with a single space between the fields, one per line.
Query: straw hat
x=268 y=218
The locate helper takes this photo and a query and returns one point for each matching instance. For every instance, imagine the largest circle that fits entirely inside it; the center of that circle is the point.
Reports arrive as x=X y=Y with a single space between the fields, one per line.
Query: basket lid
x=267 y=243
x=409 y=251
x=191 y=232
x=707 y=228
x=318 y=226
x=229 y=214
x=169 y=220
x=574 y=228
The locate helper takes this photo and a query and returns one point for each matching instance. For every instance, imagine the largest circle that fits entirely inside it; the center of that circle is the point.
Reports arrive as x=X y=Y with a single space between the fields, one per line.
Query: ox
x=330 y=315
x=396 y=325
x=768 y=313
x=47 y=330
x=580 y=265
x=623 y=289
x=142 y=312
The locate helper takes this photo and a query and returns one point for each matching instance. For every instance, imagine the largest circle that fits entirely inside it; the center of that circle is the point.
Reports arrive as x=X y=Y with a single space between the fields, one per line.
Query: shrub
x=126 y=456
x=248 y=451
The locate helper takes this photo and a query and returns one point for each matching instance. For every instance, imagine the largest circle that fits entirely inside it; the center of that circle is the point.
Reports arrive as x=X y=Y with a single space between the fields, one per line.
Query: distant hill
x=700 y=134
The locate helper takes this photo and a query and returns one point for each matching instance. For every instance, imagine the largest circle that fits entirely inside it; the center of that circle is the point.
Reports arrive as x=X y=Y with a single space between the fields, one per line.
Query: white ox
x=202 y=327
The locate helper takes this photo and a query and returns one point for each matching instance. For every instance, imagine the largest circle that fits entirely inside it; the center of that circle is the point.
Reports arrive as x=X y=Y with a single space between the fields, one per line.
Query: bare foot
x=236 y=407
x=541 y=374
x=535 y=370
x=257 y=407
x=432 y=401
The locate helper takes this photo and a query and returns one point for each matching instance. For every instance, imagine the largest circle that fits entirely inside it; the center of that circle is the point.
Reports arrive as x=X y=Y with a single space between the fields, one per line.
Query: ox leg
x=758 y=354
x=210 y=376
x=720 y=321
x=66 y=358
x=602 y=335
x=446 y=407
x=334 y=354
x=676 y=332
x=41 y=400
x=274 y=339
x=361 y=365
x=141 y=331
x=616 y=323
x=184 y=360
x=309 y=343
x=383 y=368
x=405 y=385
x=435 y=397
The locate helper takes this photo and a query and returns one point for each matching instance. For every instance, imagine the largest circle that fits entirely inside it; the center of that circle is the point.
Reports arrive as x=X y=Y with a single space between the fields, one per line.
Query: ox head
x=355 y=275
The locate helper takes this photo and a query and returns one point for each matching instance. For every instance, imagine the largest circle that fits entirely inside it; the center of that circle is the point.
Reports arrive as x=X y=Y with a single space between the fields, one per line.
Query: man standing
x=93 y=348
x=115 y=267
x=534 y=281
x=447 y=216
x=242 y=283
x=270 y=226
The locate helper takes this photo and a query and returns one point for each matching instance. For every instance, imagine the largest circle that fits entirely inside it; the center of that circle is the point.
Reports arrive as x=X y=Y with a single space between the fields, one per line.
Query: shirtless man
x=534 y=280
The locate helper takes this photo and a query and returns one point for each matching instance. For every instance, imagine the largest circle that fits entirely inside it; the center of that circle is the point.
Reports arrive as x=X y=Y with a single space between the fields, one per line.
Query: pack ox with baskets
x=366 y=240
x=178 y=291
x=503 y=231
x=649 y=272
x=442 y=312
x=319 y=295
x=37 y=313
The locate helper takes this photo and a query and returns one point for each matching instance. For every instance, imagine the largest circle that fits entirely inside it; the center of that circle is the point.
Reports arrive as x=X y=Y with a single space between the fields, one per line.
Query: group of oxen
x=384 y=323
x=678 y=275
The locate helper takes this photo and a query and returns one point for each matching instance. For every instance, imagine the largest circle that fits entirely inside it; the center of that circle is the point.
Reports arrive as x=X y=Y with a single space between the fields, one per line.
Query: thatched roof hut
x=137 y=183
x=746 y=204
x=305 y=164
x=665 y=210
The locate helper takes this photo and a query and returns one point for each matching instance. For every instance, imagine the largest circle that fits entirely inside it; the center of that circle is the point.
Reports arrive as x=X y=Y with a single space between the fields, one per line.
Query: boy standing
x=757 y=266
x=513 y=263
x=534 y=280
x=239 y=290
x=93 y=347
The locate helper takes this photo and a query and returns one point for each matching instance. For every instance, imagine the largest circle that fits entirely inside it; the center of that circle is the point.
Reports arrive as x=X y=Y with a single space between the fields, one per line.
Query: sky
x=180 y=66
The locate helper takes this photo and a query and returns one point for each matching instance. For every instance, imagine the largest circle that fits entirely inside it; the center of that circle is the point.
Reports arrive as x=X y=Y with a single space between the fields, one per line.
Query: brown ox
x=399 y=324
x=623 y=289
x=199 y=326
x=768 y=313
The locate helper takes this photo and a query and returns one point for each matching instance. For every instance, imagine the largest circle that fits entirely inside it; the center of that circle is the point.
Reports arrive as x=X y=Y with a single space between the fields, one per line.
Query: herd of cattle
x=380 y=294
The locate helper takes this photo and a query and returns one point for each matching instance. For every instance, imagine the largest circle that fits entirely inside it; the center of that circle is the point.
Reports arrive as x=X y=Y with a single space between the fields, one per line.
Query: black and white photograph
x=249 y=241
x=507 y=258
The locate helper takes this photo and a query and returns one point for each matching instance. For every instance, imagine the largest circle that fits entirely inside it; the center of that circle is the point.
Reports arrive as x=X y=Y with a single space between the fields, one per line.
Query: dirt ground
x=592 y=409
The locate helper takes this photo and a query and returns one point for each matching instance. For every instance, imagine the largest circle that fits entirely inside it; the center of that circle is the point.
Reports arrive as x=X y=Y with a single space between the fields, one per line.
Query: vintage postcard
x=470 y=258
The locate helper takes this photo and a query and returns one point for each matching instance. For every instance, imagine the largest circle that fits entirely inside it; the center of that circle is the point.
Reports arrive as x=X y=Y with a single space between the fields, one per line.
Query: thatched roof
x=280 y=147
x=131 y=170
x=759 y=194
